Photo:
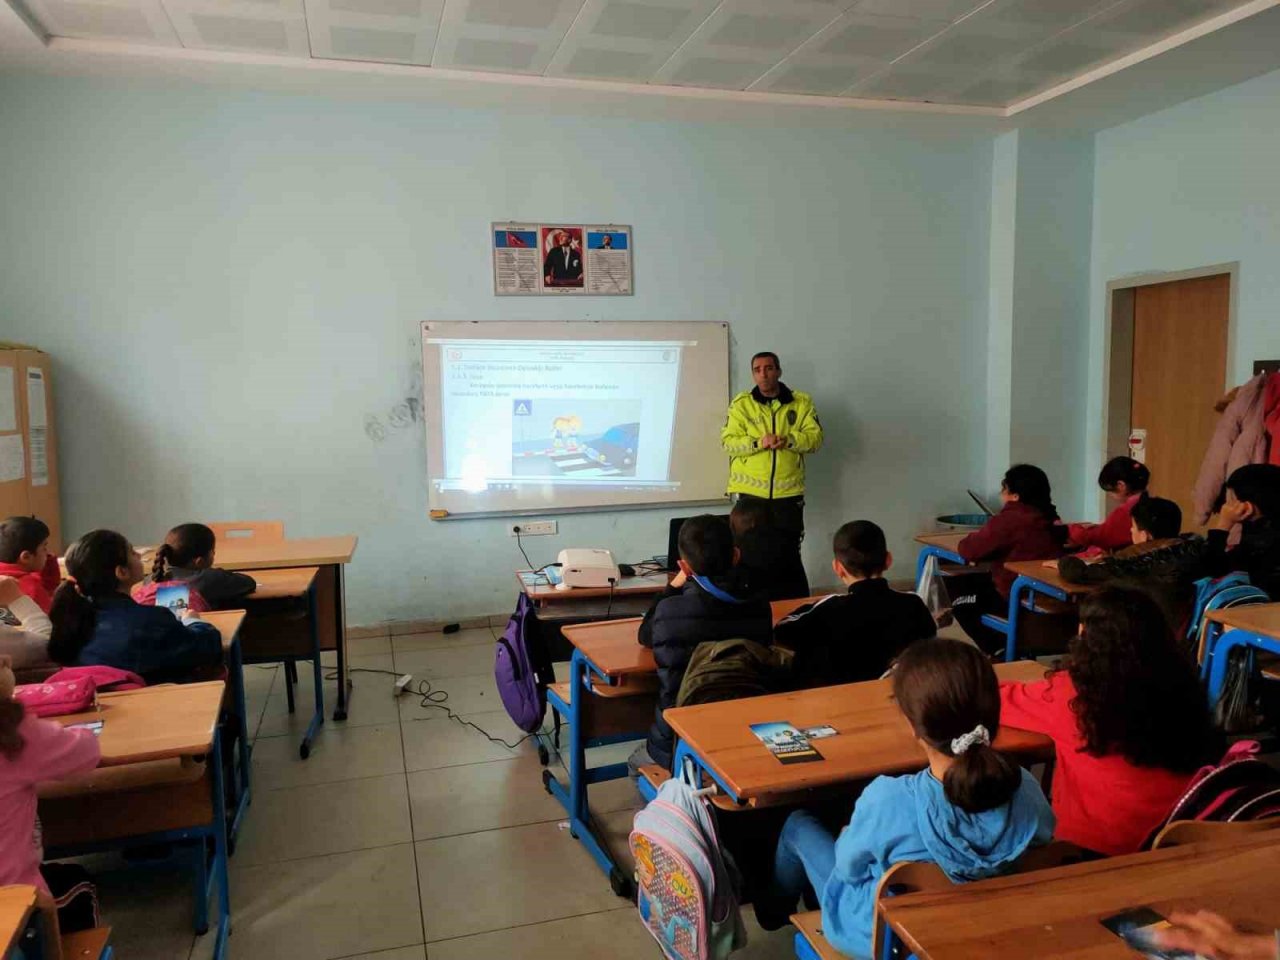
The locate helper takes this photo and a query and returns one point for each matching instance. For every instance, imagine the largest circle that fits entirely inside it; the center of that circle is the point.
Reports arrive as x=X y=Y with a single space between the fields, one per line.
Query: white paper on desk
x=8 y=401
x=12 y=458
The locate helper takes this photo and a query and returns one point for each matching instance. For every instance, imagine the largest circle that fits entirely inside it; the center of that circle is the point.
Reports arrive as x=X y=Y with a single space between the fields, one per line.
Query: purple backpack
x=522 y=668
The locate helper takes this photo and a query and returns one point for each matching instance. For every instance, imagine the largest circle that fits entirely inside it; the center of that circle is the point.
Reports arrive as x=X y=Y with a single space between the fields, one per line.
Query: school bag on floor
x=685 y=889
x=1240 y=788
x=522 y=668
x=732 y=669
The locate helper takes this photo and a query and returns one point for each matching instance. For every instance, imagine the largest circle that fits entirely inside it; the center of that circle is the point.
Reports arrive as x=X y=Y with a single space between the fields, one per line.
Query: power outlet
x=534 y=528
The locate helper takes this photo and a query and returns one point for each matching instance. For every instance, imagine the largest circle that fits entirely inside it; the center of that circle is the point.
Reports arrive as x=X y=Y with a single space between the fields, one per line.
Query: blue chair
x=1231 y=596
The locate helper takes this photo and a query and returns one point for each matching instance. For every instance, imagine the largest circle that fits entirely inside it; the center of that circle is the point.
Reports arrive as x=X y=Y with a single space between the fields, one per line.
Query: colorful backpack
x=522 y=668
x=1240 y=788
x=685 y=887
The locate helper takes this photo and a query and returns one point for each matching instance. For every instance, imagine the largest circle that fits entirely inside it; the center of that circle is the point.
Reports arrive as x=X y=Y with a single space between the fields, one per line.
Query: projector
x=586 y=567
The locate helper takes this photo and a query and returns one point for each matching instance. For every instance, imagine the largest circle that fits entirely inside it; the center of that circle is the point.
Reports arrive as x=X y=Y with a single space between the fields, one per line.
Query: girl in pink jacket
x=32 y=751
x=1125 y=480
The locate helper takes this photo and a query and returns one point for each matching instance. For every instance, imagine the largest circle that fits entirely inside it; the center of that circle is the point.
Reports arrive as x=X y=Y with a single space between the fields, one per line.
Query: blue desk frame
x=210 y=873
x=1234 y=638
x=244 y=750
x=317 y=716
x=583 y=675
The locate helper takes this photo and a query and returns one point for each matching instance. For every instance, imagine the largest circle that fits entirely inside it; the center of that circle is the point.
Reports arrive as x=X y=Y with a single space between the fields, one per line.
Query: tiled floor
x=405 y=836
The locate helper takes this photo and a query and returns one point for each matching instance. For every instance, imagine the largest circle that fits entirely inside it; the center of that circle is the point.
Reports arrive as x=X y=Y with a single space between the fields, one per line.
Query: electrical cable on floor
x=437 y=698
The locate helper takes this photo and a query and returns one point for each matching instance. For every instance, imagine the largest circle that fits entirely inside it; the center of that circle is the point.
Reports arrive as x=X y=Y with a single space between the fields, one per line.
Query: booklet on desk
x=786 y=743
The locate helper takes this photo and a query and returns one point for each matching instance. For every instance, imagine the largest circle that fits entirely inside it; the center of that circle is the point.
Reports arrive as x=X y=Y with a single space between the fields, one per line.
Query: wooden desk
x=943 y=541
x=1260 y=618
x=181 y=802
x=281 y=584
x=1056 y=913
x=613 y=646
x=545 y=593
x=1048 y=578
x=17 y=906
x=228 y=623
x=874 y=738
x=155 y=723
x=330 y=554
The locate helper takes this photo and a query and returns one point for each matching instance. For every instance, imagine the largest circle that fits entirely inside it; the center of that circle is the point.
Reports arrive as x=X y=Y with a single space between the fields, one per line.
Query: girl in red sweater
x=1125 y=480
x=1128 y=720
x=1027 y=528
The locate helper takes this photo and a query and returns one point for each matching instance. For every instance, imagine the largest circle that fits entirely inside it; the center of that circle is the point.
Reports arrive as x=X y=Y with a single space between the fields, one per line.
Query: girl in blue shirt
x=972 y=811
x=97 y=623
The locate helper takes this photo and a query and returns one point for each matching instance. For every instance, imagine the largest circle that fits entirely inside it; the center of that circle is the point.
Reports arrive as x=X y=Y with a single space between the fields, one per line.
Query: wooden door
x=1179 y=373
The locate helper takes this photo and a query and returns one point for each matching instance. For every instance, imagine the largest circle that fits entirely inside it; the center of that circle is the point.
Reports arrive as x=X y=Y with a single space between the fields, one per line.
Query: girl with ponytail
x=1125 y=481
x=187 y=556
x=972 y=811
x=97 y=623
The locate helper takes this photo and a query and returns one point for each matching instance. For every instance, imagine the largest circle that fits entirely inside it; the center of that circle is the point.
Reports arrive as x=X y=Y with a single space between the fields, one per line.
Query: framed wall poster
x=561 y=259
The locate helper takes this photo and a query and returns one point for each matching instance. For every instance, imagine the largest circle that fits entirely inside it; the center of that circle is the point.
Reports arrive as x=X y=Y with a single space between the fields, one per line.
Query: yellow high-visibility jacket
x=770 y=473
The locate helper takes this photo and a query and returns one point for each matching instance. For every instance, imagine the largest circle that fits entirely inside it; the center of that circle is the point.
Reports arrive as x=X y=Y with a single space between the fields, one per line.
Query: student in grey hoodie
x=972 y=811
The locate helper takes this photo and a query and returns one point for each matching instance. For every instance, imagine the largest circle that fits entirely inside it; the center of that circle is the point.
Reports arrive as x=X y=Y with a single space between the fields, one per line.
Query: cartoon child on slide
x=564 y=432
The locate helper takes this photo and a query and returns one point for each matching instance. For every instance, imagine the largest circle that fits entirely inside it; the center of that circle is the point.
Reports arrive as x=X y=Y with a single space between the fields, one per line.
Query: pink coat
x=1239 y=439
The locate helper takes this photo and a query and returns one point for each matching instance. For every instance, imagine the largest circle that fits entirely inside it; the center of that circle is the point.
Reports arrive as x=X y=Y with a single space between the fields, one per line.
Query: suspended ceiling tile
x=279 y=26
x=396 y=31
x=506 y=36
x=653 y=29
x=135 y=21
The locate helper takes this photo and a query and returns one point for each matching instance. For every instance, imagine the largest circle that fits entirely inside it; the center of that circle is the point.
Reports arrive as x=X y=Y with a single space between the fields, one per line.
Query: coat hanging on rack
x=1240 y=438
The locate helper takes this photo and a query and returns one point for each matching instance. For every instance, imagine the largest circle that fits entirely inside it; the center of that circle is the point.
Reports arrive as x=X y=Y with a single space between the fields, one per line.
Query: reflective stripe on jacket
x=771 y=474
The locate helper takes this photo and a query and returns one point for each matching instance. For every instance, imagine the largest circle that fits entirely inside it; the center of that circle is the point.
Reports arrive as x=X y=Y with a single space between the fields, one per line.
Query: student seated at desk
x=855 y=637
x=769 y=563
x=25 y=556
x=701 y=604
x=1159 y=560
x=96 y=622
x=1253 y=501
x=1126 y=480
x=187 y=556
x=32 y=752
x=1026 y=528
x=26 y=642
x=1128 y=719
x=972 y=811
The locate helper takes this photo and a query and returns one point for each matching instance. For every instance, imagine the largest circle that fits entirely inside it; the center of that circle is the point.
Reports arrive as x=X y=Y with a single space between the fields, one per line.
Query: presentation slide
x=573 y=415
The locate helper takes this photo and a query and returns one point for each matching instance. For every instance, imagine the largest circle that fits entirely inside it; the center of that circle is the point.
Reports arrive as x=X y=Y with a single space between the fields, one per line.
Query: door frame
x=1117 y=383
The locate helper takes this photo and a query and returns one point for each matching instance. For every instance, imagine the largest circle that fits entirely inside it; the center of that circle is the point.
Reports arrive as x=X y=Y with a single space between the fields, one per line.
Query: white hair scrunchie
x=978 y=734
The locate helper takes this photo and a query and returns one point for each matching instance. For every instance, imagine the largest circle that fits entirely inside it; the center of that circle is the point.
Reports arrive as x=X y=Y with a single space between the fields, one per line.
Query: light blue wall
x=1192 y=186
x=231 y=283
x=1051 y=312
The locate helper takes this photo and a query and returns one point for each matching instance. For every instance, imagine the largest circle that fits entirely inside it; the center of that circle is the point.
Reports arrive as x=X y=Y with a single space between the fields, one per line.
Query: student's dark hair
x=1134 y=475
x=767 y=353
x=1137 y=693
x=859 y=546
x=749 y=514
x=946 y=688
x=1259 y=484
x=11 y=741
x=1031 y=484
x=1159 y=517
x=91 y=563
x=20 y=534
x=183 y=546
x=706 y=544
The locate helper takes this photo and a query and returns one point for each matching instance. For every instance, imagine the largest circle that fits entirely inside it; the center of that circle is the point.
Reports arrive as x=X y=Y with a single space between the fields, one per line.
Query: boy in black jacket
x=768 y=562
x=1161 y=561
x=855 y=637
x=702 y=603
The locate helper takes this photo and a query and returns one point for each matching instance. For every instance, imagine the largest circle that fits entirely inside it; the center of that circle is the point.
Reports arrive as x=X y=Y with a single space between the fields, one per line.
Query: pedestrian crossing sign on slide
x=521 y=408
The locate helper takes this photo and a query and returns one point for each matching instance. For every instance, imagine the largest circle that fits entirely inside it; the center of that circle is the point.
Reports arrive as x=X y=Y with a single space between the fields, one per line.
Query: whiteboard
x=539 y=417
